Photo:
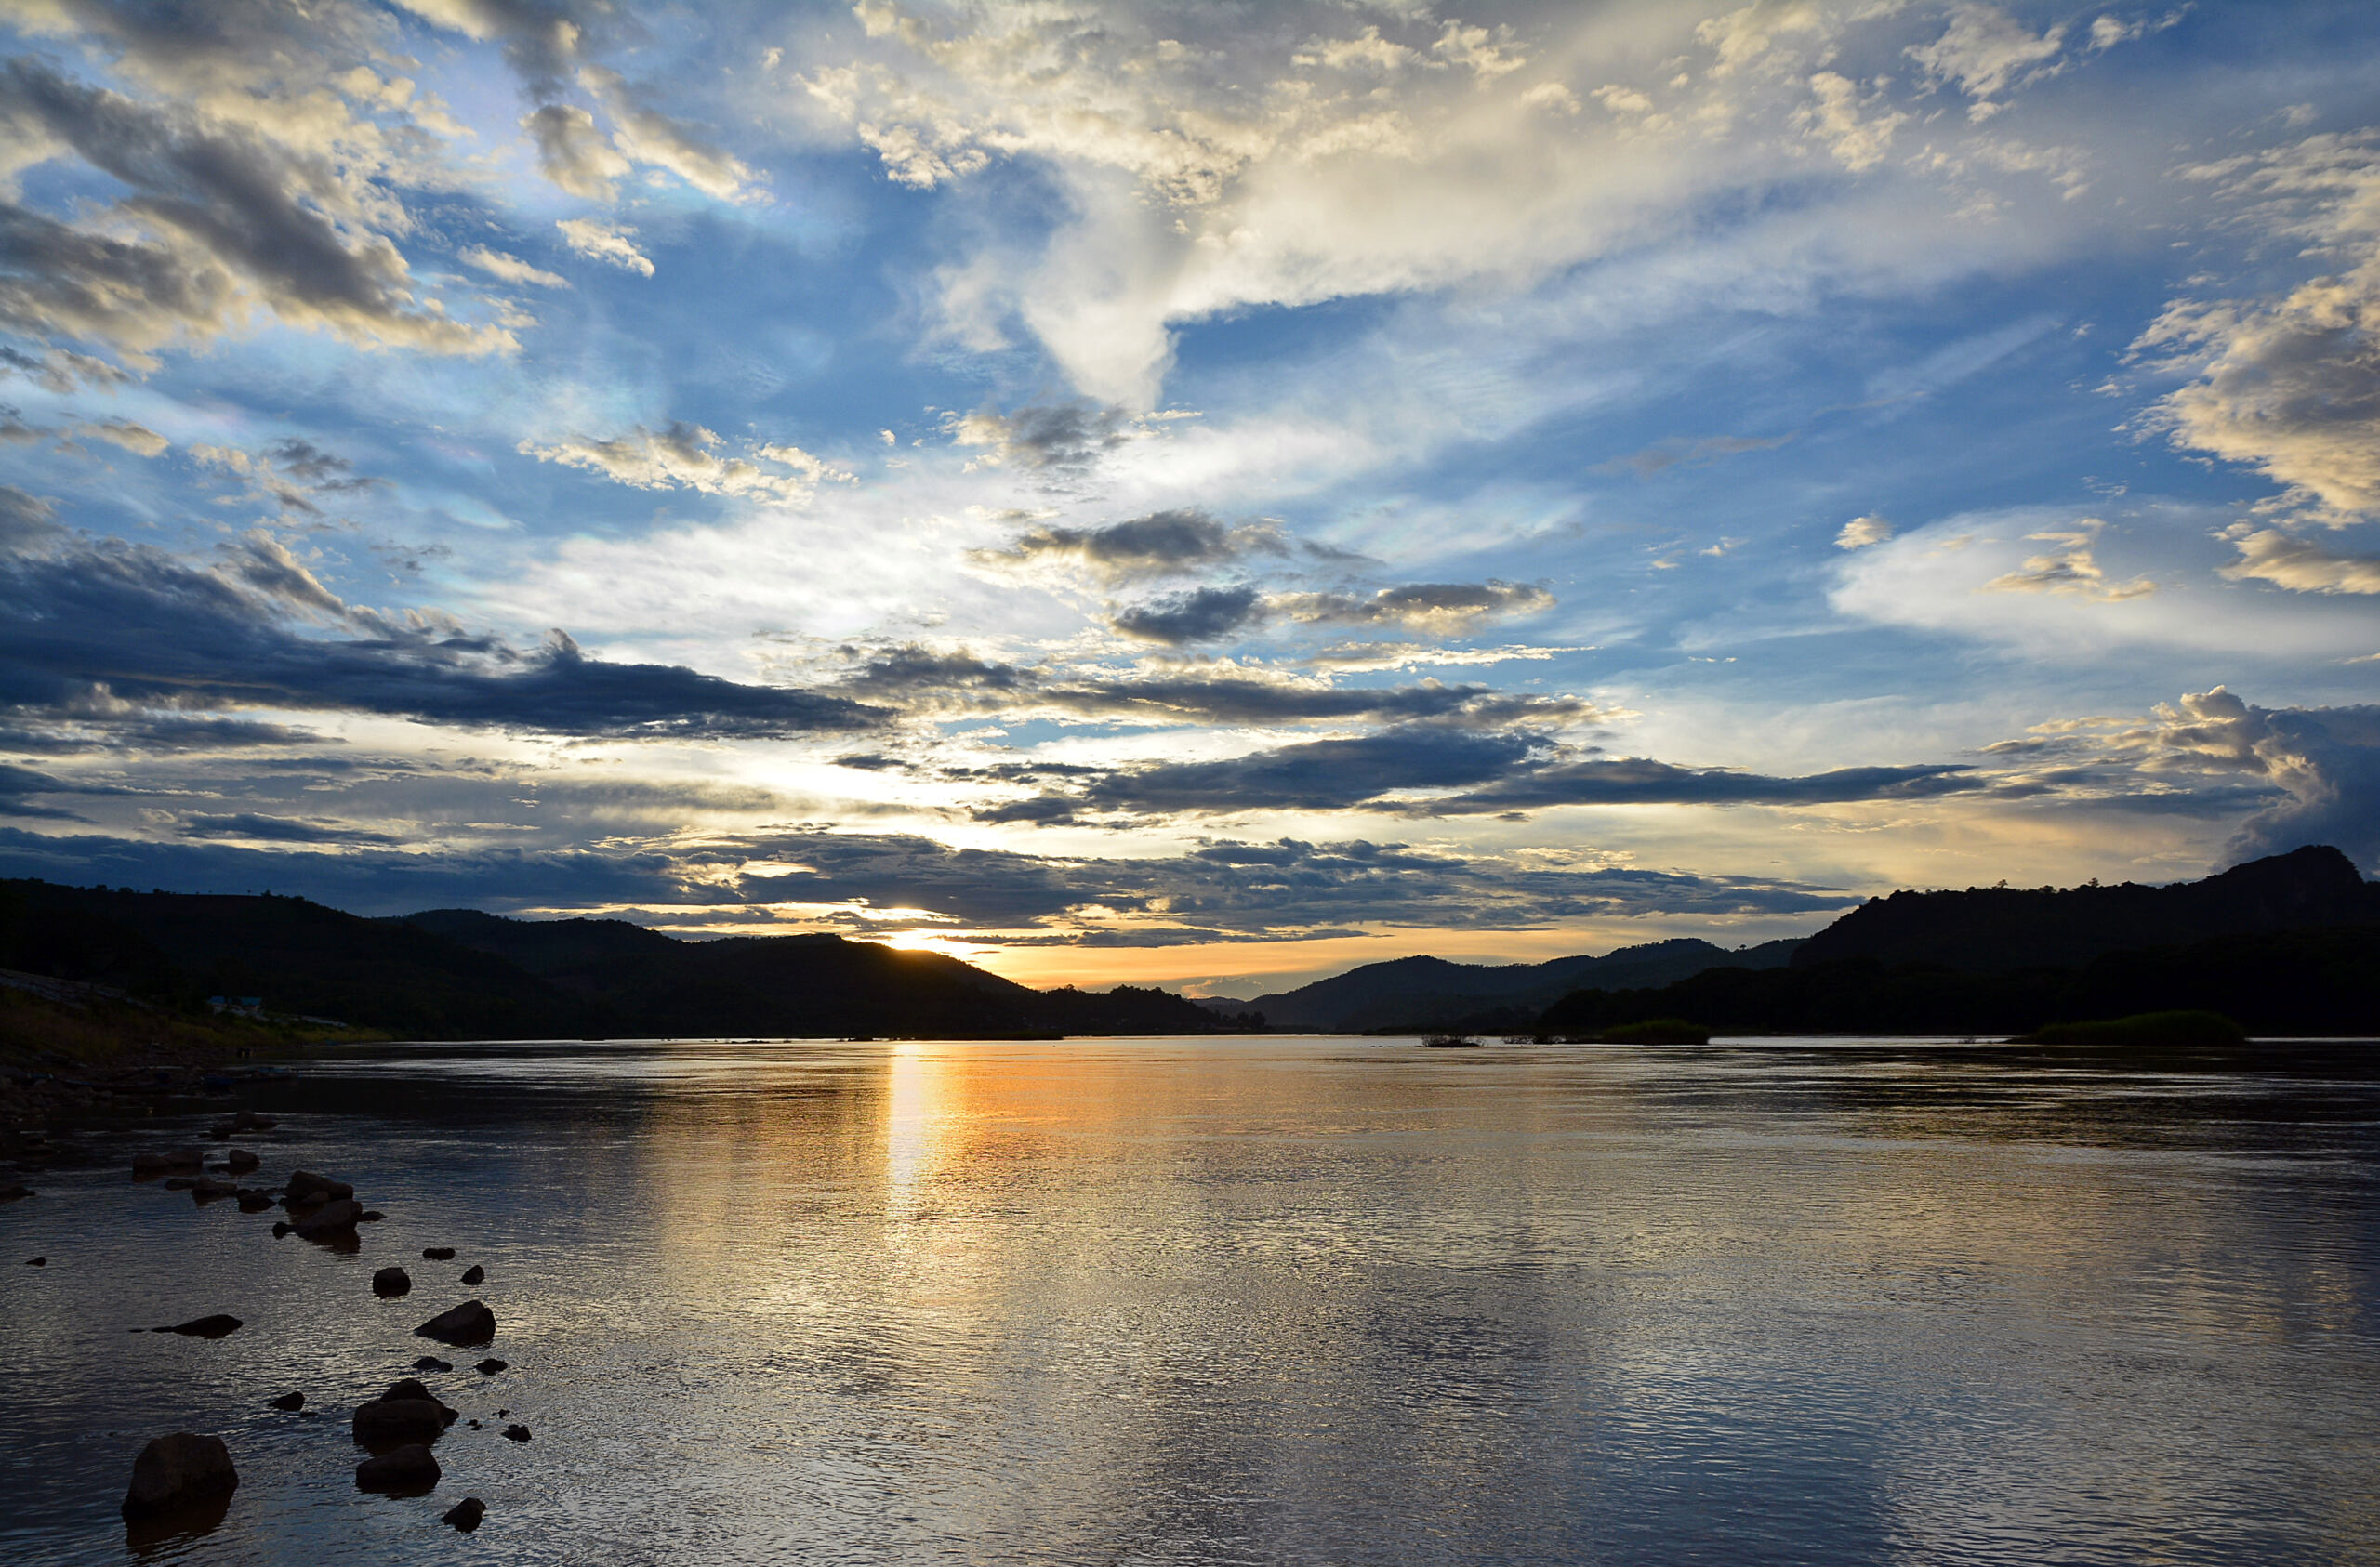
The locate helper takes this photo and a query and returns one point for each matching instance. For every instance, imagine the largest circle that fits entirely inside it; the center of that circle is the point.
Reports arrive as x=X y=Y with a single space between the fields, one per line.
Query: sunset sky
x=1205 y=493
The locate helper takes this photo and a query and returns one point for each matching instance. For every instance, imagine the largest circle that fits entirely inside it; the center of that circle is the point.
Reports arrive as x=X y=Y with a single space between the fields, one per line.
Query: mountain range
x=1427 y=992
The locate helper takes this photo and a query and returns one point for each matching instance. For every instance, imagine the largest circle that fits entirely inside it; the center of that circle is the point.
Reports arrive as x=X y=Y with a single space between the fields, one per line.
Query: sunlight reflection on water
x=1253 y=1300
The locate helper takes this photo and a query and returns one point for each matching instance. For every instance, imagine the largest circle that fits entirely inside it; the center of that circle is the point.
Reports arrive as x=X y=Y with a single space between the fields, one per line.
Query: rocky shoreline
x=181 y=1484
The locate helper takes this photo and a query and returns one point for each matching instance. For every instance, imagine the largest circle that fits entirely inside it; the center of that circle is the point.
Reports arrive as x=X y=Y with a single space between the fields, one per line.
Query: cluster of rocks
x=189 y=1477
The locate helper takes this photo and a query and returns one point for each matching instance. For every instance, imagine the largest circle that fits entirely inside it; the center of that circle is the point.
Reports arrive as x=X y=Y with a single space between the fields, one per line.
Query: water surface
x=1252 y=1301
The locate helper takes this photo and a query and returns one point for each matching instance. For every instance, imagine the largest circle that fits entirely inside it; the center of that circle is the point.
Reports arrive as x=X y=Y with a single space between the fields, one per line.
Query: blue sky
x=1202 y=493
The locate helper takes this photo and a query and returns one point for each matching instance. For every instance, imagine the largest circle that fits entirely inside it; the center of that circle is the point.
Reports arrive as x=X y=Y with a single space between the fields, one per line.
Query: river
x=1249 y=1300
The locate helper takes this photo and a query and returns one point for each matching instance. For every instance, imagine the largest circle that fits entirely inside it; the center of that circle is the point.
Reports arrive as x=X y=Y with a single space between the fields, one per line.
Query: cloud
x=650 y=137
x=105 y=621
x=1314 y=775
x=681 y=455
x=614 y=242
x=256 y=828
x=1201 y=615
x=1641 y=781
x=2300 y=565
x=26 y=519
x=1986 y=51
x=510 y=268
x=2071 y=570
x=1065 y=438
x=1162 y=544
x=1861 y=532
x=139 y=439
x=922 y=679
x=2290 y=384
x=60 y=370
x=18 y=785
x=2327 y=759
x=575 y=157
x=1286 y=888
x=1440 y=608
x=219 y=220
x=1859 y=140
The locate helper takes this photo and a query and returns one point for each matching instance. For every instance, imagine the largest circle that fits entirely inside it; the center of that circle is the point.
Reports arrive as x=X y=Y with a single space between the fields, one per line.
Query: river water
x=1296 y=1300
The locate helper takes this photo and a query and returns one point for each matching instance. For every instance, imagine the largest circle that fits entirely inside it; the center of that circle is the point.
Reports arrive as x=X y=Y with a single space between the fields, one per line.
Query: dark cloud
x=18 y=785
x=110 y=621
x=278 y=829
x=922 y=679
x=214 y=215
x=2327 y=761
x=1201 y=615
x=1062 y=438
x=1442 y=607
x=26 y=519
x=1641 y=781
x=121 y=727
x=1316 y=775
x=1238 y=891
x=1162 y=544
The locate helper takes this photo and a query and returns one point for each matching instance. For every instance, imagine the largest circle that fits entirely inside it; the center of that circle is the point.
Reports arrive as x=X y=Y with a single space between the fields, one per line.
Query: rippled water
x=1271 y=1300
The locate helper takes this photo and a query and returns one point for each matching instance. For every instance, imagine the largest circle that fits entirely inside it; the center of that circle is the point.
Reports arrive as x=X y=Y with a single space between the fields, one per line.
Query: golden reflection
x=919 y=1104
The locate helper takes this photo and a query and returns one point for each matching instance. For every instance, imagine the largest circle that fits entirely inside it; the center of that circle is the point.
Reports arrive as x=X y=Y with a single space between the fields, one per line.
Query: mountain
x=2286 y=945
x=1431 y=992
x=798 y=985
x=1985 y=929
x=460 y=974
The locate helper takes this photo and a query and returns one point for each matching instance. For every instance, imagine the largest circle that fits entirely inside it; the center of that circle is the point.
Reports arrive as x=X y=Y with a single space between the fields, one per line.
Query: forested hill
x=458 y=974
x=2286 y=945
x=1988 y=928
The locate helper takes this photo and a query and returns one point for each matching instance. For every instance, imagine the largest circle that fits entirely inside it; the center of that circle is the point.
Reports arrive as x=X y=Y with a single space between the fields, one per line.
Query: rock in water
x=305 y=1187
x=389 y=1283
x=409 y=1471
x=37 y=1262
x=401 y=1419
x=13 y=1190
x=474 y=1274
x=329 y=1219
x=518 y=1433
x=438 y=1254
x=291 y=1402
x=491 y=1365
x=466 y=1514
x=176 y=1471
x=432 y=1362
x=471 y=1322
x=239 y=1161
x=222 y=1325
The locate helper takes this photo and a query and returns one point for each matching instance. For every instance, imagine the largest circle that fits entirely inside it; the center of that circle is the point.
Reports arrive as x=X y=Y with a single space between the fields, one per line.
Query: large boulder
x=239 y=1161
x=328 y=1219
x=386 y=1420
x=389 y=1283
x=177 y=1470
x=306 y=1188
x=466 y=1514
x=409 y=1471
x=471 y=1322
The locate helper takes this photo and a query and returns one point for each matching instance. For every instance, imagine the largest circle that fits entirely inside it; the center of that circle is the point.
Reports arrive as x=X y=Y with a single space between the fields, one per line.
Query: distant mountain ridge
x=461 y=974
x=1432 y=991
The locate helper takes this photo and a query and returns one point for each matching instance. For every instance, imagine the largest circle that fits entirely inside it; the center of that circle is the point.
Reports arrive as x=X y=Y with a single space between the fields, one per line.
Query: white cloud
x=1986 y=51
x=685 y=456
x=648 y=136
x=511 y=268
x=2071 y=569
x=2290 y=384
x=2275 y=556
x=1862 y=531
x=614 y=243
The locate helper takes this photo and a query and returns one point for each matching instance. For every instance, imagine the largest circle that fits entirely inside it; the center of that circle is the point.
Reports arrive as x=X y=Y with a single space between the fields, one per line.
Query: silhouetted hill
x=1431 y=992
x=1989 y=929
x=299 y=957
x=459 y=974
x=2289 y=944
x=2319 y=982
